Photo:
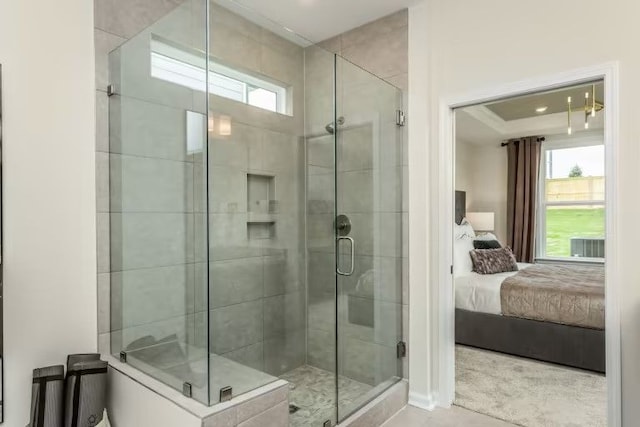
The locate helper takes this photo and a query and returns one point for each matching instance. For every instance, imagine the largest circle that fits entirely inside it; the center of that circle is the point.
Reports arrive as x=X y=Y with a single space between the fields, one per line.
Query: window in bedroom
x=572 y=199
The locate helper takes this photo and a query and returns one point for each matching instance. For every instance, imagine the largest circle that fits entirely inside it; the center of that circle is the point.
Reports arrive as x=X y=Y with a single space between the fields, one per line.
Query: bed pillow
x=486 y=244
x=491 y=261
x=486 y=236
x=462 y=264
x=462 y=230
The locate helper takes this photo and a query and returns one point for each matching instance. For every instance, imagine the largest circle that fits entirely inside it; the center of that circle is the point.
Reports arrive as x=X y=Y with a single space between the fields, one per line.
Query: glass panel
x=574 y=202
x=369 y=265
x=182 y=66
x=315 y=383
x=575 y=231
x=157 y=191
x=575 y=174
x=262 y=98
x=257 y=310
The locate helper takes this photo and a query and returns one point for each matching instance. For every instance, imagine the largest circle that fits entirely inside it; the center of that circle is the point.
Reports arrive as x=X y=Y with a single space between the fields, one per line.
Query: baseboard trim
x=422 y=401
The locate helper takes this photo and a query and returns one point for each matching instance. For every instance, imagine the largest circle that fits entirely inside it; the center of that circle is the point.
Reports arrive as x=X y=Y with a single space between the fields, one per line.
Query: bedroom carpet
x=527 y=392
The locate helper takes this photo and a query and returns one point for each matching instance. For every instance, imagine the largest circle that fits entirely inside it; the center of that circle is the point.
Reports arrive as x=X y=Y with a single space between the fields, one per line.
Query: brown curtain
x=524 y=166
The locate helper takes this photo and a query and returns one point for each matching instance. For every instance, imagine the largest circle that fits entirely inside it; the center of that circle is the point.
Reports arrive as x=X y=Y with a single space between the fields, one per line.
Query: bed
x=553 y=313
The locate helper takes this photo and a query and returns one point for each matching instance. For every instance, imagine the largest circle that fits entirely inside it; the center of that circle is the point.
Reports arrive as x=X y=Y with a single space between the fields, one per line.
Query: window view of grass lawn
x=565 y=223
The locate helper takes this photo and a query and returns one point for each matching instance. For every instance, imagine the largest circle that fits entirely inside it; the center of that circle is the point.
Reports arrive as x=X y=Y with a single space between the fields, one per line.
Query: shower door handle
x=352 y=245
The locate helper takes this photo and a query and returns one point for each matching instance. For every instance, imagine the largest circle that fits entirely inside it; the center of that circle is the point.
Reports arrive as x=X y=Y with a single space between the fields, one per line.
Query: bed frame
x=573 y=346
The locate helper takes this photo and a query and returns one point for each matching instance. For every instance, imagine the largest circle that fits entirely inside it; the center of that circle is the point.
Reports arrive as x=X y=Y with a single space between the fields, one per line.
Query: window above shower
x=183 y=67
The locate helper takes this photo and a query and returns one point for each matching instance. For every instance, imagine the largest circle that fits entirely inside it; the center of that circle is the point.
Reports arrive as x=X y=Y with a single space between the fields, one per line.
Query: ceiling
x=555 y=101
x=491 y=123
x=318 y=20
x=470 y=129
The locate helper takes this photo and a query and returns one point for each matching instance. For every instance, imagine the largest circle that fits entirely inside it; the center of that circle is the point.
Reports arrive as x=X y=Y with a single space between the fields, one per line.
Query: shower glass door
x=368 y=227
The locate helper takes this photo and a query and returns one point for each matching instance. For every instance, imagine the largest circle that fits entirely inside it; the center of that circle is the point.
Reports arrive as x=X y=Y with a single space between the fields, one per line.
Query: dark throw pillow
x=491 y=261
x=486 y=244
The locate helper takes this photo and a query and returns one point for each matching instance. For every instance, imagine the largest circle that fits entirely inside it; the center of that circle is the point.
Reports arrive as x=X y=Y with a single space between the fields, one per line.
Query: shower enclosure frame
x=139 y=101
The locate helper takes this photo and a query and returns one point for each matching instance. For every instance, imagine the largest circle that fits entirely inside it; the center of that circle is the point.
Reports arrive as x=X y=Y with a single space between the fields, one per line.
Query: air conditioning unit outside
x=587 y=247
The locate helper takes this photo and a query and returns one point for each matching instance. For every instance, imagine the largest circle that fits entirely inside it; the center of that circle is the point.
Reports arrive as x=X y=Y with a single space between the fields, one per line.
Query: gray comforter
x=566 y=294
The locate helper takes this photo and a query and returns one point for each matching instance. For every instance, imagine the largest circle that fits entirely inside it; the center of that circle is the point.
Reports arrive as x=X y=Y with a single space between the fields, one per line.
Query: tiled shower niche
x=261 y=205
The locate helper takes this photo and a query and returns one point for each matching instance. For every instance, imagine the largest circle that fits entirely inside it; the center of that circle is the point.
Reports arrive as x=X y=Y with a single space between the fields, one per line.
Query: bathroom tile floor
x=313 y=391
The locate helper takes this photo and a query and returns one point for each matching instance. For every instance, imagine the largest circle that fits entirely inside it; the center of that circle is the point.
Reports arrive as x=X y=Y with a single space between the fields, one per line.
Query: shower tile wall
x=256 y=289
x=382 y=48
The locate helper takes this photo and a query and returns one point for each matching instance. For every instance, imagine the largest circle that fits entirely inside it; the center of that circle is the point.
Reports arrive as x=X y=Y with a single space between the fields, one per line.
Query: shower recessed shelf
x=261 y=194
x=261 y=206
x=253 y=217
x=260 y=230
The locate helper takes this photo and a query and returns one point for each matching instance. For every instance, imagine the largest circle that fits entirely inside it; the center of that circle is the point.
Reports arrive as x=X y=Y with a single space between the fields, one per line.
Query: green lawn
x=562 y=224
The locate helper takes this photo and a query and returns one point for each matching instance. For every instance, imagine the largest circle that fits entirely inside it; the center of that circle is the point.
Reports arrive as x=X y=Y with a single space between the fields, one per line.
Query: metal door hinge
x=401 y=349
x=226 y=393
x=400 y=117
x=187 y=389
x=111 y=90
x=123 y=356
x=452 y=269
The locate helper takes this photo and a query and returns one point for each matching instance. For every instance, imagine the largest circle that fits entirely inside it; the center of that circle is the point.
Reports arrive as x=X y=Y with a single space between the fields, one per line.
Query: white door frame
x=444 y=196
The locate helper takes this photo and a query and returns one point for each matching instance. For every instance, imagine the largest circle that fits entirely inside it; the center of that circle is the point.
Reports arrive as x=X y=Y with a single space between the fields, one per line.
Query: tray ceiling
x=556 y=102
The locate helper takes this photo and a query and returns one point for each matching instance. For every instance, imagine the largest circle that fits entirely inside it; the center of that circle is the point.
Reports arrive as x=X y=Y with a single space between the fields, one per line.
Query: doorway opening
x=507 y=187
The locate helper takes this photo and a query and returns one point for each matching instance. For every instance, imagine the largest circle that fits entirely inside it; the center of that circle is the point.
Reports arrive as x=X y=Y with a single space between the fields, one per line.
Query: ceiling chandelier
x=591 y=106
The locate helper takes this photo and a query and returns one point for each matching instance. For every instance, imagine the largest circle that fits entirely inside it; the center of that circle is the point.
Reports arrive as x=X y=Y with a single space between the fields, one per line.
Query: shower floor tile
x=313 y=390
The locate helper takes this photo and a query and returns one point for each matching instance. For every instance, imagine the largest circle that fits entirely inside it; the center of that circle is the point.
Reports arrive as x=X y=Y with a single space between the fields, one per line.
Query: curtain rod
x=541 y=139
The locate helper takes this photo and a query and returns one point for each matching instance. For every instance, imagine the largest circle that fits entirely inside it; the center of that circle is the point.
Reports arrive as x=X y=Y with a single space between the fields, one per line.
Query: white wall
x=481 y=171
x=139 y=406
x=494 y=42
x=46 y=52
x=464 y=173
x=421 y=351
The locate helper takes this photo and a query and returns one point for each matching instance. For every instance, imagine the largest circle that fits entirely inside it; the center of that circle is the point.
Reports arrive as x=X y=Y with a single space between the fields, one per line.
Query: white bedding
x=481 y=292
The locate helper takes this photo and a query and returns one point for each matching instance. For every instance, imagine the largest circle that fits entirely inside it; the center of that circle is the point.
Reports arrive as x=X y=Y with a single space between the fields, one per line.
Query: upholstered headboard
x=461 y=205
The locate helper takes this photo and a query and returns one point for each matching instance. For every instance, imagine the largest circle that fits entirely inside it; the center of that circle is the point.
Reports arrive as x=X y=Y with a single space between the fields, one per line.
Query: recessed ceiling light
x=541 y=109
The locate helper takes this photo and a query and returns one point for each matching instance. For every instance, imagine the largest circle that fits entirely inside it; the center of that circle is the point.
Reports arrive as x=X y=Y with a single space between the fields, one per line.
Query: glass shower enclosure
x=255 y=213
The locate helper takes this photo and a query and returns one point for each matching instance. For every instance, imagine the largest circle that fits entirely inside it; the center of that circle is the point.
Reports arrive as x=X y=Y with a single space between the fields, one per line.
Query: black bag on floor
x=86 y=390
x=47 y=397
